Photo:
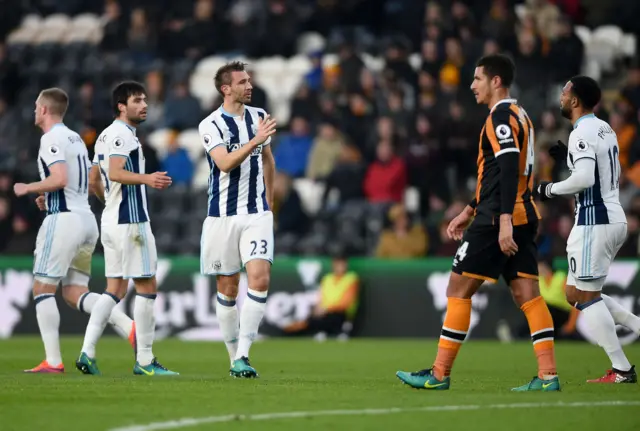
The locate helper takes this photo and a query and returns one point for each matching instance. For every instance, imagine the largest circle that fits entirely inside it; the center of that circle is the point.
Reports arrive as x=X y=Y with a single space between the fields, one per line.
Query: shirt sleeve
x=502 y=130
x=51 y=152
x=121 y=146
x=579 y=148
x=210 y=135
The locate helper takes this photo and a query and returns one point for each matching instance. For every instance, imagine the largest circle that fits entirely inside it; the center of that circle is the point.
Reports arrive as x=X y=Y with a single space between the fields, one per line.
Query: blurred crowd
x=366 y=136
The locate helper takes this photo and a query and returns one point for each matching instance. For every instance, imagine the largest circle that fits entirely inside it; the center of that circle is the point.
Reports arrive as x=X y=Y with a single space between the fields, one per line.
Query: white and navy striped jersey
x=124 y=204
x=599 y=204
x=63 y=145
x=242 y=190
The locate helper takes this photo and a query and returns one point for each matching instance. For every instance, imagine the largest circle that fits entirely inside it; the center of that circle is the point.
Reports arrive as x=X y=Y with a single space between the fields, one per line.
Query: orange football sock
x=541 y=327
x=454 y=331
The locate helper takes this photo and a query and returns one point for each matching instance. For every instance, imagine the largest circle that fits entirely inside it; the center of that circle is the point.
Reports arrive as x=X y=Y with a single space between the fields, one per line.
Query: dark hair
x=223 y=75
x=56 y=100
x=123 y=91
x=586 y=90
x=498 y=65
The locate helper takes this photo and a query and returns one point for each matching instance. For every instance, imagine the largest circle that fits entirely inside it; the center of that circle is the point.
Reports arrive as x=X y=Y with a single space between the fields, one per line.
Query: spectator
x=5 y=222
x=141 y=38
x=325 y=152
x=404 y=240
x=290 y=217
x=207 y=32
x=177 y=163
x=346 y=178
x=114 y=28
x=154 y=84
x=566 y=54
x=292 y=152
x=336 y=304
x=182 y=110
x=23 y=237
x=386 y=177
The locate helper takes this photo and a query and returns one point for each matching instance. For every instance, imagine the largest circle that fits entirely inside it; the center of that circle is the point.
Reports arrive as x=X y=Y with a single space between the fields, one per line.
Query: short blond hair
x=56 y=100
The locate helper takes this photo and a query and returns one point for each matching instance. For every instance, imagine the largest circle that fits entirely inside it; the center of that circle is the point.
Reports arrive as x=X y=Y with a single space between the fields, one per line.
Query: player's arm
x=52 y=155
x=95 y=183
x=57 y=180
x=583 y=172
x=119 y=152
x=502 y=131
x=269 y=169
x=213 y=141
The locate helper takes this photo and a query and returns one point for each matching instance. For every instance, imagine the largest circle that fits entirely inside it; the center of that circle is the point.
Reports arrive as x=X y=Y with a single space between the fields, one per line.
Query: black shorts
x=479 y=256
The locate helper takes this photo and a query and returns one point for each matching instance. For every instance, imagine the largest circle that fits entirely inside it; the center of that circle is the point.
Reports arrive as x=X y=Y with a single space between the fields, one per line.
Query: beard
x=566 y=112
x=137 y=120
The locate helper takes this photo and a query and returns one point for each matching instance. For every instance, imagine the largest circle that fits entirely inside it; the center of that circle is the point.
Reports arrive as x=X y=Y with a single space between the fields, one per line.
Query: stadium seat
x=201 y=175
x=310 y=42
x=412 y=199
x=158 y=140
x=584 y=33
x=628 y=45
x=310 y=193
x=190 y=141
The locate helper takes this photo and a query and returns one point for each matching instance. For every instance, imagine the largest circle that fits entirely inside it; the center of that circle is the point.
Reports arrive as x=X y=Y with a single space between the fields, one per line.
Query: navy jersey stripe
x=85 y=173
x=137 y=189
x=219 y=131
x=252 y=207
x=79 y=174
x=234 y=175
x=56 y=201
x=593 y=211
x=214 y=189
x=265 y=205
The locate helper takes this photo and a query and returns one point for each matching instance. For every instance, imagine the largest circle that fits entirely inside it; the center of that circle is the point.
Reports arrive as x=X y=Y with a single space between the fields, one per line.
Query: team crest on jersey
x=54 y=150
x=118 y=143
x=206 y=139
x=582 y=145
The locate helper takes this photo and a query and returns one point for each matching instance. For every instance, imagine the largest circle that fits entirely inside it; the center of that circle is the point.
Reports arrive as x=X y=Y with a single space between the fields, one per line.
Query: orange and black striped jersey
x=508 y=128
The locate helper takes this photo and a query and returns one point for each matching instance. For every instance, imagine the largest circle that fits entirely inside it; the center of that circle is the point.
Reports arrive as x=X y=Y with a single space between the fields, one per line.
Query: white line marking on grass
x=189 y=422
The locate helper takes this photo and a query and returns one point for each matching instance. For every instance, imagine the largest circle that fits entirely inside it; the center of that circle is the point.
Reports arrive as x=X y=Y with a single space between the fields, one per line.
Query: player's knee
x=583 y=291
x=145 y=286
x=72 y=294
x=260 y=281
x=228 y=285
x=43 y=285
x=524 y=290
x=462 y=287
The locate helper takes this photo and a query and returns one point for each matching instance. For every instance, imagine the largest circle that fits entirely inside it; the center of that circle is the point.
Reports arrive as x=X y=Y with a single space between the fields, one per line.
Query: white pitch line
x=189 y=422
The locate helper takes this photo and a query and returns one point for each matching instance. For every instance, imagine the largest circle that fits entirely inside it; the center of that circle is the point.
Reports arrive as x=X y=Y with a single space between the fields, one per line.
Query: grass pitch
x=336 y=385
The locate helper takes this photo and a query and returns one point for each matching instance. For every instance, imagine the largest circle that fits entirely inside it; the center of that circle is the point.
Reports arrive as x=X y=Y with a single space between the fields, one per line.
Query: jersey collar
x=56 y=125
x=592 y=115
x=229 y=114
x=509 y=100
x=133 y=129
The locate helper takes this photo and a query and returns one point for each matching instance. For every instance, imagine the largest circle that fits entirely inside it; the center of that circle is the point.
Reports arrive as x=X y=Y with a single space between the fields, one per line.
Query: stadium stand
x=344 y=81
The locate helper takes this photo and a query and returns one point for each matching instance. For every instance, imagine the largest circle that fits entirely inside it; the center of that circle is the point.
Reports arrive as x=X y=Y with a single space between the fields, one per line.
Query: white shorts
x=590 y=251
x=129 y=251
x=64 y=246
x=228 y=243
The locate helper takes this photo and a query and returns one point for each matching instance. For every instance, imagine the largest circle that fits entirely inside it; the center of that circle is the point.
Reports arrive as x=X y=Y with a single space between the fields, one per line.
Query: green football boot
x=242 y=368
x=424 y=379
x=155 y=368
x=537 y=384
x=87 y=365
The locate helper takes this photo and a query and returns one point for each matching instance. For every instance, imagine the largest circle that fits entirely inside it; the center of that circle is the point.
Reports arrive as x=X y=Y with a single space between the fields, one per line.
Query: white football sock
x=120 y=322
x=603 y=329
x=97 y=322
x=227 y=314
x=250 y=318
x=621 y=316
x=143 y=314
x=49 y=323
